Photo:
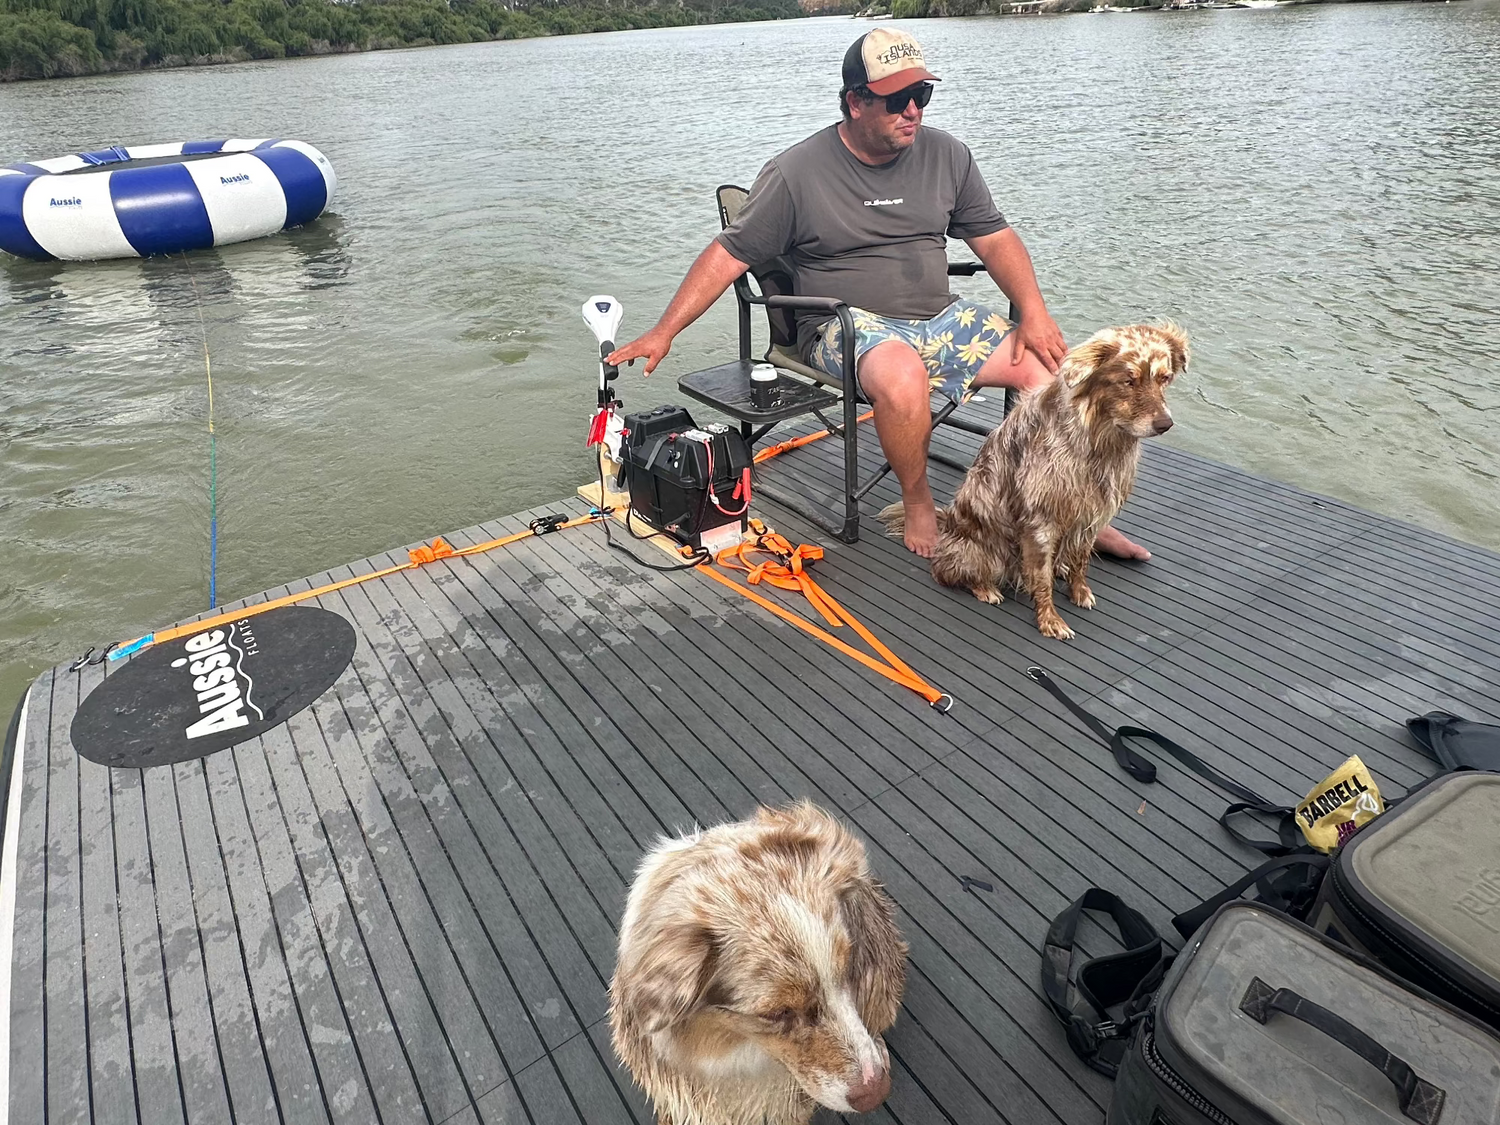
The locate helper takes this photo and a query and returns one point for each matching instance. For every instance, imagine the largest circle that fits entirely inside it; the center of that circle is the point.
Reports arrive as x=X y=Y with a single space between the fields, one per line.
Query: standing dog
x=758 y=964
x=1057 y=471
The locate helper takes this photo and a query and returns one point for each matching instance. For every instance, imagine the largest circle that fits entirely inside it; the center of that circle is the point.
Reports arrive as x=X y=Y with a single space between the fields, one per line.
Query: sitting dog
x=1057 y=471
x=758 y=964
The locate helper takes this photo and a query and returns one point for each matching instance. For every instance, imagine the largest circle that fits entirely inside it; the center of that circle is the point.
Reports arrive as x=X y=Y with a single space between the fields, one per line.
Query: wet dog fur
x=758 y=964
x=1057 y=471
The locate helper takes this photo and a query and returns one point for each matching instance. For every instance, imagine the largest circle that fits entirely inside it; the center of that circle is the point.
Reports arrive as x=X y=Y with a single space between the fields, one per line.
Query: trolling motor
x=602 y=315
x=691 y=482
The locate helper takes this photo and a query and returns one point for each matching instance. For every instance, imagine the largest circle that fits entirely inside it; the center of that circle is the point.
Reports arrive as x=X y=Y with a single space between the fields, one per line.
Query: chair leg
x=850 y=533
x=938 y=419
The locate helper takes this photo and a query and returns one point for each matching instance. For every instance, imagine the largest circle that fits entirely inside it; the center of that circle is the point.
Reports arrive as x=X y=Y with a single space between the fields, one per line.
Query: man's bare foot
x=1112 y=542
x=921 y=528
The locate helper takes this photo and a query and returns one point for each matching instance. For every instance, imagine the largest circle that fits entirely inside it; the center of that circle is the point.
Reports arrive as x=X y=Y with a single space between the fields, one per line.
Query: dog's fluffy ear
x=1089 y=357
x=1177 y=341
x=877 y=955
x=669 y=976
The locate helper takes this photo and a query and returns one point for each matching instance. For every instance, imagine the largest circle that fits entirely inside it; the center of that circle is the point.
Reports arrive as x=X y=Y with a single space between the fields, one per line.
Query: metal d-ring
x=935 y=704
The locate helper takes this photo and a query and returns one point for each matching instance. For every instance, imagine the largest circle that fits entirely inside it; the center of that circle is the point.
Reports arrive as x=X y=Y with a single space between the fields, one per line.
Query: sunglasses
x=897 y=102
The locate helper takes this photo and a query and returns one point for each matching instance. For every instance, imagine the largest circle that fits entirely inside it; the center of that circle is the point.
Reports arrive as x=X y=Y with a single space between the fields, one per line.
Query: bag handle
x=1419 y=1099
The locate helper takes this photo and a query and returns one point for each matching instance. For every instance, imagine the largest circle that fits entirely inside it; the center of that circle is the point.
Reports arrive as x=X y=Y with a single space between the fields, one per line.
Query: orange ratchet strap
x=439 y=548
x=786 y=570
x=797 y=443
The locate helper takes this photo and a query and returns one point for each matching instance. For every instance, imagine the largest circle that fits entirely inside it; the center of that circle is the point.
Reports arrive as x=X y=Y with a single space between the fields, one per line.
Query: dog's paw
x=1051 y=625
x=1082 y=597
x=990 y=595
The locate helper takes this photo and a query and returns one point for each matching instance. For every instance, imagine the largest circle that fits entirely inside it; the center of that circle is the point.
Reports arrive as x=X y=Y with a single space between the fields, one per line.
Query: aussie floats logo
x=72 y=202
x=220 y=682
x=238 y=178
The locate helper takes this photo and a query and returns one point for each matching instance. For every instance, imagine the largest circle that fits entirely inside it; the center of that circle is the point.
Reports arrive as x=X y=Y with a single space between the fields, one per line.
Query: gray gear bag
x=1262 y=1021
x=1418 y=889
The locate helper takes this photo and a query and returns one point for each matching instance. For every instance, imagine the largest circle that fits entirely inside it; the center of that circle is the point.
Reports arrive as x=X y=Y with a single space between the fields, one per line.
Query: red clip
x=597 y=426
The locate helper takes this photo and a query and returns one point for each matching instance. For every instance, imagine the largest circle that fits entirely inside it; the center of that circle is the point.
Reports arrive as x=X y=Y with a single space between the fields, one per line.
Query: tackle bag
x=1262 y=1021
x=1418 y=889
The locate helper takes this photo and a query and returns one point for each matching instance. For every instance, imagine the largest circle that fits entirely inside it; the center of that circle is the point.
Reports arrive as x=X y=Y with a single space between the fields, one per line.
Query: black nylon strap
x=1081 y=997
x=1286 y=895
x=1419 y=1100
x=1143 y=770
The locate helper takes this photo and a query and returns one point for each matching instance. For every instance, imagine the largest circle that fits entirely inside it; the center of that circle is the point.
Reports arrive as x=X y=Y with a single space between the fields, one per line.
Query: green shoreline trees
x=59 y=38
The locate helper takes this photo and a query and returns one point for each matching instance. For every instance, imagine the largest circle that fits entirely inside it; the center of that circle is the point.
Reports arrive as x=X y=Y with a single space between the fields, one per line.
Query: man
x=862 y=209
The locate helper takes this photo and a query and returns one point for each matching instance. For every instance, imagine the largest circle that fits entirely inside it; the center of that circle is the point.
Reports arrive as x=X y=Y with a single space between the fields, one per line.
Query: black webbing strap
x=1081 y=997
x=1287 y=883
x=1144 y=770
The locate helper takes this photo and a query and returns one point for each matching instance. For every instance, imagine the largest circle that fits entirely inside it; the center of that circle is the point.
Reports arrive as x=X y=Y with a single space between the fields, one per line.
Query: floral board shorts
x=953 y=345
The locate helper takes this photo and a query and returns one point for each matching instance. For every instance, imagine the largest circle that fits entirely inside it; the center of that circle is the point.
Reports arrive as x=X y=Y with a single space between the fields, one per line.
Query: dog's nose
x=1161 y=423
x=871 y=1092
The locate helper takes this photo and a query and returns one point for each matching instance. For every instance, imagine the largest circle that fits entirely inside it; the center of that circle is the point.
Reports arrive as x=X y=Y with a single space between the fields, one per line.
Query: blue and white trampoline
x=159 y=199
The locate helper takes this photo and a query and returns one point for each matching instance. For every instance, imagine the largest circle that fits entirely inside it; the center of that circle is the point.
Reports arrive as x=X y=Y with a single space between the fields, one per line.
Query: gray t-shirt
x=871 y=235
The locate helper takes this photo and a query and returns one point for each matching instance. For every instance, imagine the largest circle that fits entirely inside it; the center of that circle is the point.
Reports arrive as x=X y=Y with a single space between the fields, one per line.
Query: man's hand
x=653 y=347
x=1040 y=333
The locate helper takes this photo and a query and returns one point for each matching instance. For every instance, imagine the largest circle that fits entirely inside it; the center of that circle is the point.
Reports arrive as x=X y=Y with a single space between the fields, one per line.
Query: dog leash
x=786 y=569
x=1144 y=770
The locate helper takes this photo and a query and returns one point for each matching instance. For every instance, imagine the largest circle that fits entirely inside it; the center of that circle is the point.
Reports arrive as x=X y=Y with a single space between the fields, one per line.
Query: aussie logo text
x=74 y=202
x=215 y=660
x=241 y=178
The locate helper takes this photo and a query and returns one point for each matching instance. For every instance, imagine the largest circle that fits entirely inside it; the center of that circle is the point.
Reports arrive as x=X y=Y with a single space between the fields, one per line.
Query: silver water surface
x=1311 y=191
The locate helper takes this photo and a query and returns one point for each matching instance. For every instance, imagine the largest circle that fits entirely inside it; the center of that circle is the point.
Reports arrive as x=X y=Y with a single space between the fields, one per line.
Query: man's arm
x=715 y=271
x=1007 y=261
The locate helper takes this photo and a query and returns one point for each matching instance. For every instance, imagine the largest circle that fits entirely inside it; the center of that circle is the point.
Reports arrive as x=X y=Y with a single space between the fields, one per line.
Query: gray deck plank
x=300 y=1095
x=112 y=1077
x=549 y=955
x=154 y=1034
x=66 y=1025
x=563 y=860
x=369 y=1077
x=199 y=1057
x=252 y=1093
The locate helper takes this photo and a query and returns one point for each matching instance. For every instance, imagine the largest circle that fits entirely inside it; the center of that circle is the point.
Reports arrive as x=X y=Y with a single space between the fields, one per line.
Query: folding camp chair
x=803 y=389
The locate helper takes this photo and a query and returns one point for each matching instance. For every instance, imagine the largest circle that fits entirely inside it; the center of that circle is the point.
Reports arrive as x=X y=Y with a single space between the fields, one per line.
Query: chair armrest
x=792 y=301
x=821 y=304
x=965 y=269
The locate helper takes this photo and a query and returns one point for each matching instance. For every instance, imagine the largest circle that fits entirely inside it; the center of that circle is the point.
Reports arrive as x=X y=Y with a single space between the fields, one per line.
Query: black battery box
x=685 y=479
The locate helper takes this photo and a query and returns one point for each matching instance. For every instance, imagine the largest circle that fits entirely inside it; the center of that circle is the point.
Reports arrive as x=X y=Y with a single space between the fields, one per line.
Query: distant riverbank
x=62 y=39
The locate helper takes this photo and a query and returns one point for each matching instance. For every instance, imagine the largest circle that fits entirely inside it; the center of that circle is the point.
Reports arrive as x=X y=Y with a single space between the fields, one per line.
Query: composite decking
x=401 y=906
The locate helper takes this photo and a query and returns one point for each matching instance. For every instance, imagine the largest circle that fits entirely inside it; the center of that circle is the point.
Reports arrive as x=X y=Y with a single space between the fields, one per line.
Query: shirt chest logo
x=883 y=202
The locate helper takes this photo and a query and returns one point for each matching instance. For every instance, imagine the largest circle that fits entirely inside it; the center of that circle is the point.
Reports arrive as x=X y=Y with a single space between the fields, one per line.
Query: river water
x=1311 y=191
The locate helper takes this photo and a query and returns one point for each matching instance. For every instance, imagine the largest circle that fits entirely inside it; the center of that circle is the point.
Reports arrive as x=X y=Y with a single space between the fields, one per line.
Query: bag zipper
x=1158 y=1066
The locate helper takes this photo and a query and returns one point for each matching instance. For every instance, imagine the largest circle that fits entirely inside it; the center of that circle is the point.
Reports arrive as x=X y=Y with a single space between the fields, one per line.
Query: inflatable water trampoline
x=159 y=199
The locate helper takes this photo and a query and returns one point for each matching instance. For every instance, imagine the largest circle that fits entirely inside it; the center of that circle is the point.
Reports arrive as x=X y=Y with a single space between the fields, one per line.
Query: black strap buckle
x=545 y=525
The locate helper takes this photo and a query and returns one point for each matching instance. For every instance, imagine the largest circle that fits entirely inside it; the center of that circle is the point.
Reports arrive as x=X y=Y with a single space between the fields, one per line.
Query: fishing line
x=213 y=452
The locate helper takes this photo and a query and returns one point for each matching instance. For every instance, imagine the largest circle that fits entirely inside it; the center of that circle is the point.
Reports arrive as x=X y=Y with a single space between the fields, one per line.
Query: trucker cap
x=885 y=60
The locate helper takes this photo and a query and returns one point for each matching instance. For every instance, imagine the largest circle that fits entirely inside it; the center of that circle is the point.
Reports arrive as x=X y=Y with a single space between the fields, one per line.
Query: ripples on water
x=1311 y=191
